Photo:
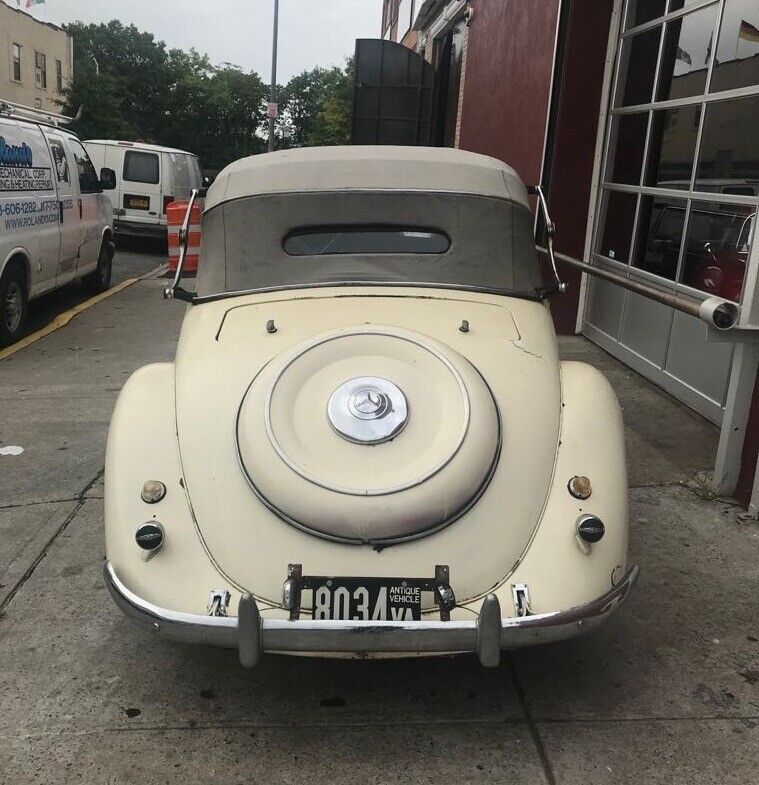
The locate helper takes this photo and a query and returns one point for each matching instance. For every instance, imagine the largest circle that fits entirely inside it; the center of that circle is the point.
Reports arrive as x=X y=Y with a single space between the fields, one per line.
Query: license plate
x=136 y=202
x=367 y=599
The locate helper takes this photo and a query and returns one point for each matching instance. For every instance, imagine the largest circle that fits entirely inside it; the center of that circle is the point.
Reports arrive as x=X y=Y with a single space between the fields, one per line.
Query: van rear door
x=113 y=158
x=141 y=187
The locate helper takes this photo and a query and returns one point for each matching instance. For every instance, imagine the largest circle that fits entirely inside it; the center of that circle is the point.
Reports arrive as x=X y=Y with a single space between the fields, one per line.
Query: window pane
x=677 y=5
x=717 y=245
x=737 y=61
x=729 y=154
x=685 y=55
x=638 y=67
x=182 y=177
x=641 y=11
x=141 y=167
x=61 y=162
x=672 y=147
x=628 y=139
x=404 y=17
x=365 y=240
x=17 y=62
x=618 y=216
x=660 y=231
x=89 y=182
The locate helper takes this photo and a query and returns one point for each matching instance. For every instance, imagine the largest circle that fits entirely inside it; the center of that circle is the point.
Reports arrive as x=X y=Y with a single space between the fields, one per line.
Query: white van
x=148 y=179
x=56 y=224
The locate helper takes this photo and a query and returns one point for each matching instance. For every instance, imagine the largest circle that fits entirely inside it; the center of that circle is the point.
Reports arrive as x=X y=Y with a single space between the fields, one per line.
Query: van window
x=196 y=173
x=89 y=182
x=182 y=176
x=61 y=162
x=141 y=167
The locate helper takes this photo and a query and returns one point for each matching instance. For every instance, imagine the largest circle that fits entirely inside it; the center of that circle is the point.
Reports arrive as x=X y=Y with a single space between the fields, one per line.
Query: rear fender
x=142 y=445
x=559 y=573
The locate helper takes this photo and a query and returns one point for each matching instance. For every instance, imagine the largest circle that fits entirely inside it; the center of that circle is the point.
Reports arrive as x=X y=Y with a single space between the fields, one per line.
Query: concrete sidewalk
x=667 y=692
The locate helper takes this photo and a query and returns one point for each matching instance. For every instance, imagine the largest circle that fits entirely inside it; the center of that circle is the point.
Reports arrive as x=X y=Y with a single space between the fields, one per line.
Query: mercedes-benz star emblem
x=368 y=410
x=369 y=404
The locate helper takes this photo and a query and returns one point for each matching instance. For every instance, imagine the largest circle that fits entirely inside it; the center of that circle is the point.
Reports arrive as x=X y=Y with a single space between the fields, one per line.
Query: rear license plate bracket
x=356 y=598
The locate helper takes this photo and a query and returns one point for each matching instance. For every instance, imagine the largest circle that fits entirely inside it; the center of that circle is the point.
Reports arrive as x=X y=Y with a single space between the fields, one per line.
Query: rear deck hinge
x=218 y=601
x=520 y=593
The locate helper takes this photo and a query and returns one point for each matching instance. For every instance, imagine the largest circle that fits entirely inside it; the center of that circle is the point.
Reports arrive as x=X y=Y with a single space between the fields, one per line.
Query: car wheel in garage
x=13 y=302
x=100 y=279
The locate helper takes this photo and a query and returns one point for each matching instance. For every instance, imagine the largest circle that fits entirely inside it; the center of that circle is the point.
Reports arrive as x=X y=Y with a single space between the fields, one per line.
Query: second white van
x=148 y=178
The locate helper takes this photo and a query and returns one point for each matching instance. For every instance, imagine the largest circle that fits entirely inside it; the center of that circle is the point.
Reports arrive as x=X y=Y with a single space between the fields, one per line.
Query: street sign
x=272 y=110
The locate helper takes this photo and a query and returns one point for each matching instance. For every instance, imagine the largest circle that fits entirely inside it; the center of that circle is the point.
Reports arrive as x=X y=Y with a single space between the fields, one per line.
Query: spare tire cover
x=369 y=434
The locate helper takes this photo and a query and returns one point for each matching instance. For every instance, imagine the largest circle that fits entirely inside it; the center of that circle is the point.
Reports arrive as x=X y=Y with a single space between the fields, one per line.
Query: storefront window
x=672 y=145
x=717 y=244
x=686 y=53
x=642 y=11
x=729 y=152
x=737 y=63
x=660 y=232
x=677 y=5
x=630 y=141
x=638 y=67
x=618 y=219
x=698 y=144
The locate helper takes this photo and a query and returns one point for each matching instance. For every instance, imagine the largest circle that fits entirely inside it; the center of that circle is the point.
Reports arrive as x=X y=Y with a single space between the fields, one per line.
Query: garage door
x=679 y=187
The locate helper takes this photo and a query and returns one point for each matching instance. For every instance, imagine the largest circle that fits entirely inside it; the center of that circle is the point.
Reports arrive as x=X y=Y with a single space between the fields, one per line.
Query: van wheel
x=100 y=278
x=13 y=302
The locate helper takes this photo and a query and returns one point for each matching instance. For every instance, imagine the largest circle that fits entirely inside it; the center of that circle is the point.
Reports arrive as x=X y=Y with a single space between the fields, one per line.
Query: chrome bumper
x=251 y=635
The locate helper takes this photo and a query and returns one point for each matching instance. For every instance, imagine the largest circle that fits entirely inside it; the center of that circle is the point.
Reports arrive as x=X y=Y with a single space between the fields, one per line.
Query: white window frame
x=14 y=46
x=40 y=71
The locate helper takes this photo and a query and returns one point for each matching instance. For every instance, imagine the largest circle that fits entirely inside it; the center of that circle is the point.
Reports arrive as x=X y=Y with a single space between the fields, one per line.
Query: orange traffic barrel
x=175 y=213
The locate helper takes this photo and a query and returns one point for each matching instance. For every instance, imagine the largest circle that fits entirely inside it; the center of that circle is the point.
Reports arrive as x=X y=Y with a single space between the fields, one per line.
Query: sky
x=311 y=32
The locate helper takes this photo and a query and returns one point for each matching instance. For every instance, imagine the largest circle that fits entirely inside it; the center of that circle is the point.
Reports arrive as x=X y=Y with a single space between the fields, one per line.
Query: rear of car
x=367 y=444
x=148 y=179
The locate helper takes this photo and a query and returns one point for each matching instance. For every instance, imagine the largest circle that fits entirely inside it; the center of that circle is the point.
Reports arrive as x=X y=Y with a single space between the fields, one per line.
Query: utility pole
x=272 y=109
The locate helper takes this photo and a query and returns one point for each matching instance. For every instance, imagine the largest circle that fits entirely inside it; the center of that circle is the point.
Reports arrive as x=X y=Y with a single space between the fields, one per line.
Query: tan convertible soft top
x=384 y=168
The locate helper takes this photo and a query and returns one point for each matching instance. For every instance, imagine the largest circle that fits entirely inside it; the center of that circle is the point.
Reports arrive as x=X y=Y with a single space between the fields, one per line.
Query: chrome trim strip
x=428 y=637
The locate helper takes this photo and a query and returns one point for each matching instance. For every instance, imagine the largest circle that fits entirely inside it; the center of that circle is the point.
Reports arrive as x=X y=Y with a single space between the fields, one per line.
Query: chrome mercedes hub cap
x=368 y=410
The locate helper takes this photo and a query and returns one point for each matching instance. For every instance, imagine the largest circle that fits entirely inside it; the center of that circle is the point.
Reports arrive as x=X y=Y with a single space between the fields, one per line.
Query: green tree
x=334 y=122
x=130 y=86
x=315 y=108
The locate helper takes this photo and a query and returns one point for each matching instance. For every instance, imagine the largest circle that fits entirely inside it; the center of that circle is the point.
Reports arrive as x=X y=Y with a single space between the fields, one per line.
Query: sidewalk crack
x=80 y=499
x=534 y=732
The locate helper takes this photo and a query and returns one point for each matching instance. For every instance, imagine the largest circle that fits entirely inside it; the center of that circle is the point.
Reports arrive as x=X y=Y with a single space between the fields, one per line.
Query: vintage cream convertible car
x=367 y=444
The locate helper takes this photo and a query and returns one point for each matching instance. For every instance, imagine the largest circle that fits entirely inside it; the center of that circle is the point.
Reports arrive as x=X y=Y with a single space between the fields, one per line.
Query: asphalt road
x=667 y=692
x=134 y=258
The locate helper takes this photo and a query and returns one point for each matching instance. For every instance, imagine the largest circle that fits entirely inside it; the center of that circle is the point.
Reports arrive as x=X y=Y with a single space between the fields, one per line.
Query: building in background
x=37 y=61
x=398 y=21
x=638 y=117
